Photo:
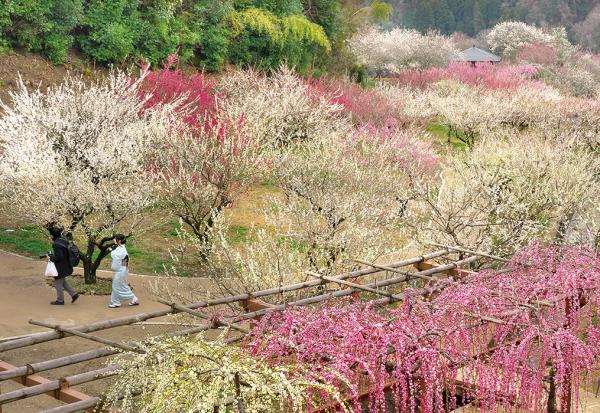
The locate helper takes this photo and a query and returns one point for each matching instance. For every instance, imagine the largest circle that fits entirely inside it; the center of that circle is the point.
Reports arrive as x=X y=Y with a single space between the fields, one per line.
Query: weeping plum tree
x=527 y=339
x=545 y=343
x=76 y=156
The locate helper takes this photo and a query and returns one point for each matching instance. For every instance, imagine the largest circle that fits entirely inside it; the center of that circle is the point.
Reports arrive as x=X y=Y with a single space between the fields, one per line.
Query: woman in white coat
x=120 y=264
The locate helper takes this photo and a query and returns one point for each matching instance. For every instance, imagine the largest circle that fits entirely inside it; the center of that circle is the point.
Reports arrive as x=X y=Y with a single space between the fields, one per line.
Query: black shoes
x=73 y=299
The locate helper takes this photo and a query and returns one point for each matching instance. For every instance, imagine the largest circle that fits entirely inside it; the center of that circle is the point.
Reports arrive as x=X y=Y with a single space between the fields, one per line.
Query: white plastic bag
x=51 y=270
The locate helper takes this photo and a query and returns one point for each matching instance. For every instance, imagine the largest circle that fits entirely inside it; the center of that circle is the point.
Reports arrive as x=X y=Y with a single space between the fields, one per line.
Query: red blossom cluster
x=509 y=338
x=196 y=93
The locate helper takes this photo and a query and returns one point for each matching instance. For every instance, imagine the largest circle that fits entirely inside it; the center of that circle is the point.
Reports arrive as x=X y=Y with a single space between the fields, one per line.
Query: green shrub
x=207 y=33
x=40 y=25
x=204 y=33
x=277 y=7
x=263 y=40
x=111 y=30
x=56 y=46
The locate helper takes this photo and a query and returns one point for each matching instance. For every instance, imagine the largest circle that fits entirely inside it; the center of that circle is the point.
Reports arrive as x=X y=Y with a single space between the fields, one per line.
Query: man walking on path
x=60 y=258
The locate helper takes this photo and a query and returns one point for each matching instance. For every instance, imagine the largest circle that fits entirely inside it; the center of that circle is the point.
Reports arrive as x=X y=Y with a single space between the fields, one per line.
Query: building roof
x=475 y=54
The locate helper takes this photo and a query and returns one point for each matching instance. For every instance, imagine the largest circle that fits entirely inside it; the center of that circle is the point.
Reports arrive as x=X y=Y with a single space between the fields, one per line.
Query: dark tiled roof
x=474 y=54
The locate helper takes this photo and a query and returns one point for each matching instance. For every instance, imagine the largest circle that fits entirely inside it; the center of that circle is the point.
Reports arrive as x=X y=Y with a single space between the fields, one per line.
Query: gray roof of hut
x=475 y=54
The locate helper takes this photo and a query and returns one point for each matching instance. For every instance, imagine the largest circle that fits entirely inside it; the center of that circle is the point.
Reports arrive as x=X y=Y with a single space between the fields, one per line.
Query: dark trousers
x=61 y=285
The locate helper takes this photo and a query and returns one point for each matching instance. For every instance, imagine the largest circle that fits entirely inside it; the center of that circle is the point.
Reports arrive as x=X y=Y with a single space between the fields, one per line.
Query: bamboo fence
x=349 y=283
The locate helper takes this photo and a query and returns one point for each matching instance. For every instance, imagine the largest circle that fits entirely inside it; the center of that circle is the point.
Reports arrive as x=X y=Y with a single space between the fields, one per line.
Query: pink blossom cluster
x=377 y=119
x=483 y=74
x=366 y=106
x=505 y=338
x=409 y=154
x=537 y=53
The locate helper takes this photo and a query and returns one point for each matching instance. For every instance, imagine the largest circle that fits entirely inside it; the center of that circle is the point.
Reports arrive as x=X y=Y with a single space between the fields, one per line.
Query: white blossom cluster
x=507 y=192
x=342 y=199
x=401 y=48
x=507 y=37
x=196 y=375
x=278 y=109
x=470 y=110
x=575 y=79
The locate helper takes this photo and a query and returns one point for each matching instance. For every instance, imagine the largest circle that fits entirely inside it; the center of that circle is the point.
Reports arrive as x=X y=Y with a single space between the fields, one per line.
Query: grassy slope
x=149 y=251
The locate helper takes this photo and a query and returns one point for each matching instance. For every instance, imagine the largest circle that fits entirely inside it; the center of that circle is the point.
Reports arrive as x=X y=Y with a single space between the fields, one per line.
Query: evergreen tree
x=551 y=11
x=326 y=13
x=491 y=11
x=443 y=17
x=277 y=7
x=424 y=16
x=458 y=10
x=468 y=9
x=478 y=23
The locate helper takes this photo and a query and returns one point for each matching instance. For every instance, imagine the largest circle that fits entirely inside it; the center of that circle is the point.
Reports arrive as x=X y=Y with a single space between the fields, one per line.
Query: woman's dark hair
x=55 y=232
x=122 y=238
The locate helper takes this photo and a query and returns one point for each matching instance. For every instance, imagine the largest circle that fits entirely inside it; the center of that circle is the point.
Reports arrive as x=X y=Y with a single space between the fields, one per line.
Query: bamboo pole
x=350 y=290
x=180 y=308
x=122 y=321
x=89 y=355
x=354 y=285
x=90 y=337
x=395 y=297
x=56 y=363
x=407 y=273
x=66 y=395
x=74 y=407
x=57 y=384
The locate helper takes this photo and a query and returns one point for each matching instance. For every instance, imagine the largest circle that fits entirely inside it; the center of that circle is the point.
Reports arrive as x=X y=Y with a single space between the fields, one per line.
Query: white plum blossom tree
x=279 y=109
x=201 y=171
x=506 y=192
x=401 y=48
x=507 y=37
x=469 y=110
x=76 y=156
x=342 y=199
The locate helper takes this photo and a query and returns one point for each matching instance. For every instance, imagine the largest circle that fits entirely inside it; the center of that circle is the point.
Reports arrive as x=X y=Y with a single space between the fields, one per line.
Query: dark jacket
x=60 y=257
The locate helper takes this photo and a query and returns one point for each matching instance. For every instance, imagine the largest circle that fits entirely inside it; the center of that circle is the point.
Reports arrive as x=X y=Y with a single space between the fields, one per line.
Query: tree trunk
x=89 y=267
x=91 y=263
x=551 y=406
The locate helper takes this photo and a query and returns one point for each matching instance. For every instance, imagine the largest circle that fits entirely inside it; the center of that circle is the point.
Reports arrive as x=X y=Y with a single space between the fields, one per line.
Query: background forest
x=581 y=18
x=206 y=33
x=309 y=35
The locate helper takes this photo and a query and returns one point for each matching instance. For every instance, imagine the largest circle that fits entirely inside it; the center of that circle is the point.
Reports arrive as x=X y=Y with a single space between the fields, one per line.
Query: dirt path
x=24 y=295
